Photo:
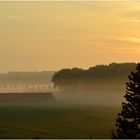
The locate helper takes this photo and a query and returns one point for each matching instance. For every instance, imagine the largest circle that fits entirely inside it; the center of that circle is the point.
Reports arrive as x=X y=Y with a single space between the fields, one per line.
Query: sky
x=51 y=35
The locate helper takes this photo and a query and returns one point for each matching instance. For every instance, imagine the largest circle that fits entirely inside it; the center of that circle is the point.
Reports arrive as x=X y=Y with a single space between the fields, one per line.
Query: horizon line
x=10 y=71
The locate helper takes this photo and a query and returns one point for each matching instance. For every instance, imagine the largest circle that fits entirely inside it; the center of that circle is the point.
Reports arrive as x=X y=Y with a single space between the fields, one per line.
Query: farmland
x=56 y=120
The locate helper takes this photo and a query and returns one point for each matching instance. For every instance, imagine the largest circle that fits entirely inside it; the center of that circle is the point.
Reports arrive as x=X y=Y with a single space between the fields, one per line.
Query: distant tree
x=66 y=77
x=128 y=121
x=60 y=77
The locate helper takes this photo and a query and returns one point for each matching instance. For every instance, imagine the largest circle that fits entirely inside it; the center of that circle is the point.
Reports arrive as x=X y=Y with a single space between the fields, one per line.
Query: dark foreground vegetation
x=128 y=121
x=100 y=77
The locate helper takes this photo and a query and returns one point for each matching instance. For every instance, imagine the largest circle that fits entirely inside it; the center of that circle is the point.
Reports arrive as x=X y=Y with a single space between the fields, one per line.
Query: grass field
x=56 y=120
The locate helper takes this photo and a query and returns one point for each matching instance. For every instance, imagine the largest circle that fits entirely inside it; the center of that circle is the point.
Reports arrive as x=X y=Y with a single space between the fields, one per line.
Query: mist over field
x=99 y=85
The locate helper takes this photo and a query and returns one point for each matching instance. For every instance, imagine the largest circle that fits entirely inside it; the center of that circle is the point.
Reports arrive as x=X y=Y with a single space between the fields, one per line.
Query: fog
x=96 y=98
x=82 y=97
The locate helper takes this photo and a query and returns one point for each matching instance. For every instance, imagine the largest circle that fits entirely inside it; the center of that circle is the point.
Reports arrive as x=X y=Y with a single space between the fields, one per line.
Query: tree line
x=99 y=76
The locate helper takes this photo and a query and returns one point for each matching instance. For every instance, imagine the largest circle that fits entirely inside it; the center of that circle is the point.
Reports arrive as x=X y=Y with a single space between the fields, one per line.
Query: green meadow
x=56 y=120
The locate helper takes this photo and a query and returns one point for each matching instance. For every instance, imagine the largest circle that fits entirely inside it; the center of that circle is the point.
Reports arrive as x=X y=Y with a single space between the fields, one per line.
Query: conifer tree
x=128 y=121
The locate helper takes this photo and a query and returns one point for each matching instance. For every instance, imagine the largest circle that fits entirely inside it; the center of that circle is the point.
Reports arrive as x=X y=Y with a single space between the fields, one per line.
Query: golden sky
x=51 y=35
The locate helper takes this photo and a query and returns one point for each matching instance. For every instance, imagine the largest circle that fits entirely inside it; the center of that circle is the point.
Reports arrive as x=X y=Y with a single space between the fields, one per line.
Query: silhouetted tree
x=66 y=77
x=128 y=121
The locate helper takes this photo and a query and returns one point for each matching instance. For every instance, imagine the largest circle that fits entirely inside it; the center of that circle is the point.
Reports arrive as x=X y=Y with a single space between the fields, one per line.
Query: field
x=56 y=120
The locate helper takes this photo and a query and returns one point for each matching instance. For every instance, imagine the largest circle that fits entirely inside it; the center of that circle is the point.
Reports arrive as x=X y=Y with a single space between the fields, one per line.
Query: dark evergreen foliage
x=128 y=121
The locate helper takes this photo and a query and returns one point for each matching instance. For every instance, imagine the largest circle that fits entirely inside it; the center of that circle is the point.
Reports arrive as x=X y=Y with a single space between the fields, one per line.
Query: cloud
x=101 y=41
x=133 y=13
x=130 y=39
x=135 y=20
x=10 y=17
